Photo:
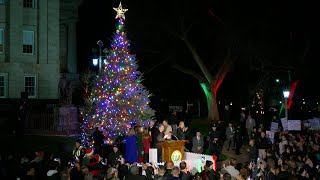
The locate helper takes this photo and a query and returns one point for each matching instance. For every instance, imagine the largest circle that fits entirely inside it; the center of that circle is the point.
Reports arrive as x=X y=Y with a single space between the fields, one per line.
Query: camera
x=71 y=164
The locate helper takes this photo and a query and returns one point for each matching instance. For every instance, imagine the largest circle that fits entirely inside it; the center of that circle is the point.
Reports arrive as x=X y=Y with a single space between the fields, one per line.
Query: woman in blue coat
x=131 y=154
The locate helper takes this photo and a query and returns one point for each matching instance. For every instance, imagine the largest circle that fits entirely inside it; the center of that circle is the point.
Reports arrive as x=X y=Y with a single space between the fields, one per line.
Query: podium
x=173 y=150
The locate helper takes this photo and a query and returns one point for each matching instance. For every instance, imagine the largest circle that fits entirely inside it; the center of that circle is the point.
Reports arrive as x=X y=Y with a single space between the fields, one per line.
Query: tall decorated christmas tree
x=117 y=99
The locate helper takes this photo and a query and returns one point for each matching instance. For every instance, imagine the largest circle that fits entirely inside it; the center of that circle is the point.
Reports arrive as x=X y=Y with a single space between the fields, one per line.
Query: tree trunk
x=213 y=112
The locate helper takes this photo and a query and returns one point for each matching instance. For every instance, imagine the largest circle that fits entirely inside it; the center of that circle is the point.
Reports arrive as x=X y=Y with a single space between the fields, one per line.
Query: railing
x=49 y=123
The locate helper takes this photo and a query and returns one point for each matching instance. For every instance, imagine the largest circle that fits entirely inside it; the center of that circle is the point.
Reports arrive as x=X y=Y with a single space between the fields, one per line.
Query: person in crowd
x=79 y=151
x=167 y=128
x=87 y=157
x=30 y=172
x=146 y=172
x=263 y=145
x=53 y=173
x=75 y=171
x=250 y=124
x=208 y=173
x=252 y=150
x=230 y=131
x=146 y=141
x=282 y=144
x=134 y=170
x=112 y=174
x=131 y=154
x=98 y=139
x=197 y=143
x=230 y=169
x=169 y=166
x=139 y=131
x=174 y=121
x=182 y=131
x=184 y=173
x=153 y=131
x=160 y=173
x=94 y=165
x=238 y=139
x=114 y=156
x=175 y=174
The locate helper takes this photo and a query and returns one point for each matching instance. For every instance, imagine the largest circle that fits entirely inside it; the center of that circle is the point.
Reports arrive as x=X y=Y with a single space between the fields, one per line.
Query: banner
x=294 y=125
x=270 y=135
x=274 y=127
x=284 y=123
x=313 y=123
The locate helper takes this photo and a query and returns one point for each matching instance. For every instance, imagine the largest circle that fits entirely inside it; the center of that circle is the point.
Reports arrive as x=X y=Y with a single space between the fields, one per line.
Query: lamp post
x=286 y=94
x=98 y=61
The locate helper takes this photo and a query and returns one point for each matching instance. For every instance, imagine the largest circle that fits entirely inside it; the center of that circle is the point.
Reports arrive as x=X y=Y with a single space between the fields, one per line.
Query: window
x=30 y=85
x=1 y=40
x=3 y=85
x=28 y=42
x=28 y=3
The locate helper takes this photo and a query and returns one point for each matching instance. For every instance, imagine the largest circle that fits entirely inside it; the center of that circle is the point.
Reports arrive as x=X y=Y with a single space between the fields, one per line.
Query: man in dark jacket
x=238 y=139
x=98 y=138
x=134 y=170
x=210 y=173
x=114 y=156
x=184 y=174
x=252 y=151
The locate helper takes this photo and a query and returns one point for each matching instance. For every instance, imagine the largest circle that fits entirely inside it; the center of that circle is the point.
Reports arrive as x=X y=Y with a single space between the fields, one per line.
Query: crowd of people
x=289 y=155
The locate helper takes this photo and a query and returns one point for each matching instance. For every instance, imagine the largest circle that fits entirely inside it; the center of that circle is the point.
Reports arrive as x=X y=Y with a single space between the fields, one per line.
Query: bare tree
x=209 y=82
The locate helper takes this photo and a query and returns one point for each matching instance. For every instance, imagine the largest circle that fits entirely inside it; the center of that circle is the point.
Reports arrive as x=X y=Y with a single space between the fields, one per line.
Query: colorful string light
x=118 y=98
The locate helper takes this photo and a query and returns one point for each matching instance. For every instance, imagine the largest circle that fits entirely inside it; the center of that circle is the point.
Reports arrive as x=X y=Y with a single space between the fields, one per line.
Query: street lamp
x=98 y=61
x=286 y=94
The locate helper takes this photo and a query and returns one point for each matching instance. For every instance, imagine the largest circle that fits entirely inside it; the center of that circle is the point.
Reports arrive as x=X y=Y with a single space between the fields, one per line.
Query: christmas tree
x=117 y=99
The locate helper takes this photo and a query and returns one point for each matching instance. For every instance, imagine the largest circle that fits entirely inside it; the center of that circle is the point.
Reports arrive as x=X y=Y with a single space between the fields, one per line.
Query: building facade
x=37 y=46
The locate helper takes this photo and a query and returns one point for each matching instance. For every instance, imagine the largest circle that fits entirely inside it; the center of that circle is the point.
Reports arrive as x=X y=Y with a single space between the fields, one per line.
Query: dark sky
x=269 y=34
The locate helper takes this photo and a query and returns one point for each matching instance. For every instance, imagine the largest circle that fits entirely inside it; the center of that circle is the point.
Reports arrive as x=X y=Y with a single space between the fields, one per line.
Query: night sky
x=267 y=37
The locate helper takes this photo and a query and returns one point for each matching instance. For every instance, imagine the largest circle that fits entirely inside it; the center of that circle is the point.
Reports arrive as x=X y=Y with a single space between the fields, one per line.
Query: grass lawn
x=30 y=143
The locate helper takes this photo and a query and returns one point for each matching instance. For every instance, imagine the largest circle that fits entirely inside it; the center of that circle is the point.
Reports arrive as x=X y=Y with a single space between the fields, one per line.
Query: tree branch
x=190 y=72
x=155 y=66
x=198 y=60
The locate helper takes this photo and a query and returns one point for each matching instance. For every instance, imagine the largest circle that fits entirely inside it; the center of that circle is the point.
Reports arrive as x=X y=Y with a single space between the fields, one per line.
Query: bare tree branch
x=198 y=60
x=155 y=66
x=190 y=72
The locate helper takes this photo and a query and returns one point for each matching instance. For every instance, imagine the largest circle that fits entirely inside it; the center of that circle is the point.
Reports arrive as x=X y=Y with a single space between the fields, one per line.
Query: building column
x=72 y=48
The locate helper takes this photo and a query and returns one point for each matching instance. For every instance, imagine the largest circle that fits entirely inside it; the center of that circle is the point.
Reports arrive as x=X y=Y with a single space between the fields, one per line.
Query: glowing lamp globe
x=95 y=62
x=286 y=93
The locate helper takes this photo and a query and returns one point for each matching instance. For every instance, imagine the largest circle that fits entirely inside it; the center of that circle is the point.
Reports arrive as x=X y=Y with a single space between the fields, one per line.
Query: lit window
x=28 y=42
x=3 y=85
x=28 y=3
x=30 y=86
x=1 y=40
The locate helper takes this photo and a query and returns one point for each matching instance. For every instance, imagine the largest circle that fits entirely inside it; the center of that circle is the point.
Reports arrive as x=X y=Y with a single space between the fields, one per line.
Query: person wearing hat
x=208 y=172
x=214 y=137
x=94 y=165
x=79 y=151
x=87 y=156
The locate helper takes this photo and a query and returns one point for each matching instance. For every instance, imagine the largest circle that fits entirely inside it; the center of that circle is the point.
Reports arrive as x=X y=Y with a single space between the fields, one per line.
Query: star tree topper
x=120 y=12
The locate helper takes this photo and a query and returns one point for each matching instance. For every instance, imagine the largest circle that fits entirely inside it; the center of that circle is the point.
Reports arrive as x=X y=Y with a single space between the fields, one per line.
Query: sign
x=294 y=125
x=270 y=135
x=176 y=108
x=313 y=123
x=274 y=127
x=284 y=123
x=176 y=156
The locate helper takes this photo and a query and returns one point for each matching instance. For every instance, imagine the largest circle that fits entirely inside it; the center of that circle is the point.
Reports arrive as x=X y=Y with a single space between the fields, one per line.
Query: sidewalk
x=243 y=157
